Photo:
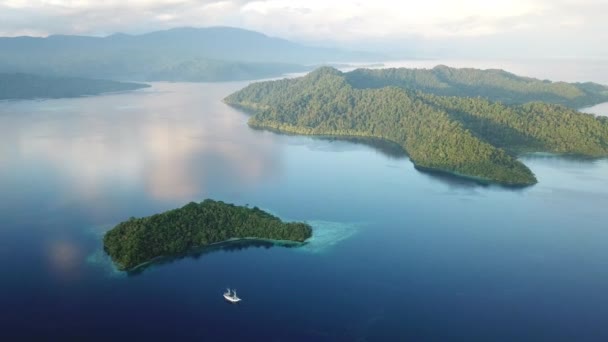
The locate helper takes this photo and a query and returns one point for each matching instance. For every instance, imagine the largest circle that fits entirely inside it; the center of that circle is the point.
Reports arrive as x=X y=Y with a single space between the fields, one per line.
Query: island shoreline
x=138 y=241
x=210 y=246
x=430 y=170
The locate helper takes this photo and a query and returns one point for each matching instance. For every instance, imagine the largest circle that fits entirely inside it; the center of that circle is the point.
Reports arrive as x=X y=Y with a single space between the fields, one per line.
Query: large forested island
x=26 y=86
x=139 y=240
x=464 y=121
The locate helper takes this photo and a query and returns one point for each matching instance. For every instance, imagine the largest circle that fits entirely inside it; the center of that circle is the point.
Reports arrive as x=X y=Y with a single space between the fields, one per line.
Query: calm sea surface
x=396 y=254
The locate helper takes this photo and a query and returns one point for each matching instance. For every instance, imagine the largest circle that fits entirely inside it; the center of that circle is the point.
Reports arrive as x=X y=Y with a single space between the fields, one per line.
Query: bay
x=396 y=254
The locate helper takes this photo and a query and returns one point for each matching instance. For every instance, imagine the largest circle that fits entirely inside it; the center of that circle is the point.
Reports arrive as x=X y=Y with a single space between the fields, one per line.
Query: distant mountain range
x=181 y=54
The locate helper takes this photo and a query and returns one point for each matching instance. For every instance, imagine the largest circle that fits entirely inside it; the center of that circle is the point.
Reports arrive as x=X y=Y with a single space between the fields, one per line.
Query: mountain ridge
x=135 y=57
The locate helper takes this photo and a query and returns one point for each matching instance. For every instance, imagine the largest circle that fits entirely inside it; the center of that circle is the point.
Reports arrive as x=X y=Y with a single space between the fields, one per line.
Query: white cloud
x=349 y=20
x=316 y=20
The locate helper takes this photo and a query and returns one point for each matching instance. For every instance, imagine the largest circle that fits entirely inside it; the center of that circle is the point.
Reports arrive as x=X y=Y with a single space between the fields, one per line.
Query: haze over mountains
x=180 y=54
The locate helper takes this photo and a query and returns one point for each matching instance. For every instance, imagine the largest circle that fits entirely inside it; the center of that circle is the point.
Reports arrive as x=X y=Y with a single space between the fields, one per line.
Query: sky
x=560 y=28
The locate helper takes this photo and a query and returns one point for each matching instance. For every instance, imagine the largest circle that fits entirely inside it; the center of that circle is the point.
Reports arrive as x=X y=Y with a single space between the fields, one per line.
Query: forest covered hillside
x=492 y=84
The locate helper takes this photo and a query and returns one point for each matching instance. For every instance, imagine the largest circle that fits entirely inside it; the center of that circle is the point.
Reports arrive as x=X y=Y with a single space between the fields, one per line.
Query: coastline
x=103 y=93
x=478 y=180
x=287 y=129
x=143 y=265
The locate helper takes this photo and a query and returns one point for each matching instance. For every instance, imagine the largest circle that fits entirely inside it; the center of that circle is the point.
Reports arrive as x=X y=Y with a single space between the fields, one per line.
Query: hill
x=493 y=84
x=467 y=136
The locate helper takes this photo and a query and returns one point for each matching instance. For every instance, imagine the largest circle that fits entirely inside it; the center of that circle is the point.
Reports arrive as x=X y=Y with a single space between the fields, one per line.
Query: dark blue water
x=396 y=255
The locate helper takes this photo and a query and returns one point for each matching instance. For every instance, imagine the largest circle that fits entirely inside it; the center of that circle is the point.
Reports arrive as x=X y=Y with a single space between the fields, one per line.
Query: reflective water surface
x=396 y=254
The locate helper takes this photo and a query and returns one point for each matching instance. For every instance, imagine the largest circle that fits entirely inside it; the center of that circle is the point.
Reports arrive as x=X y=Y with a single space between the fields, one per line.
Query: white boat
x=231 y=297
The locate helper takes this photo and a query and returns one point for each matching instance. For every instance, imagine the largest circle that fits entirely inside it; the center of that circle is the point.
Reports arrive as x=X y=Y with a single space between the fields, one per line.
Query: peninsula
x=26 y=86
x=446 y=119
x=139 y=240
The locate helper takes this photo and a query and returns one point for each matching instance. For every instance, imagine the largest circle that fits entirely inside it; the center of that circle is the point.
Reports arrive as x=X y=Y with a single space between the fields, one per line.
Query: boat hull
x=231 y=300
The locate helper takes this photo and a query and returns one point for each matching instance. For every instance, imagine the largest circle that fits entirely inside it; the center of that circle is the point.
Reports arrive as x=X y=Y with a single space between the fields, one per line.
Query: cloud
x=348 y=20
x=47 y=17
x=342 y=21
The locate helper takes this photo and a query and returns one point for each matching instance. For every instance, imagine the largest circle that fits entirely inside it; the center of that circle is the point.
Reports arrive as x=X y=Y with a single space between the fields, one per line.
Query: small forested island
x=26 y=86
x=467 y=122
x=139 y=240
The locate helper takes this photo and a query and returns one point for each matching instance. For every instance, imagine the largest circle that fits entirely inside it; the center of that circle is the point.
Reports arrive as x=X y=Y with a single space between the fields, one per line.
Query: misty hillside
x=182 y=54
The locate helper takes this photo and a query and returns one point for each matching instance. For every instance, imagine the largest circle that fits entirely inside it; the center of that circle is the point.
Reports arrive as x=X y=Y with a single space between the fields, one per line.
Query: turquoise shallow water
x=396 y=254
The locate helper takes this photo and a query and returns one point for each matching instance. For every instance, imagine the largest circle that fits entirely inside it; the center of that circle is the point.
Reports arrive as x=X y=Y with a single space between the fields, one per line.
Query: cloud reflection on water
x=64 y=258
x=174 y=140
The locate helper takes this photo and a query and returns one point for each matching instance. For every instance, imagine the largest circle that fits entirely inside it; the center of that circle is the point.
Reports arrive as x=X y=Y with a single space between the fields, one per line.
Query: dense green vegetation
x=530 y=127
x=23 y=86
x=495 y=85
x=140 y=240
x=466 y=136
x=181 y=54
